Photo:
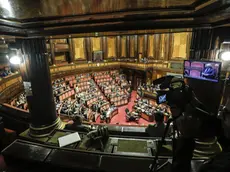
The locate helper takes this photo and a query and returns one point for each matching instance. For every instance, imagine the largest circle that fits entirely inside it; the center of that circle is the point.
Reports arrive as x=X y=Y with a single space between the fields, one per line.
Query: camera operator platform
x=194 y=124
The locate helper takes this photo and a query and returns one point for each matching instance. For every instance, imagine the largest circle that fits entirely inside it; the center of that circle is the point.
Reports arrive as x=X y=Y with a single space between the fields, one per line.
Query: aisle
x=120 y=117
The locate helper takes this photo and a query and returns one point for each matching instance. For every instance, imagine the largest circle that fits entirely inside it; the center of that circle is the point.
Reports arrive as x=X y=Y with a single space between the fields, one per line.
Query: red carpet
x=120 y=117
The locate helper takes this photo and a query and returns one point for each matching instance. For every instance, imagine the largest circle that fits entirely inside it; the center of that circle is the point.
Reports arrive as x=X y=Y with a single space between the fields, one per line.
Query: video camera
x=173 y=91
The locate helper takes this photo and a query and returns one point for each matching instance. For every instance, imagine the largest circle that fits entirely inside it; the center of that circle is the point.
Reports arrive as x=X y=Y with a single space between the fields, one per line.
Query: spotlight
x=16 y=60
x=225 y=56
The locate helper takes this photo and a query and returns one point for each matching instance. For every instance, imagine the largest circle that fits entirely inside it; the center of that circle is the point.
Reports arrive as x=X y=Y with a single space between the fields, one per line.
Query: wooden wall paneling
x=162 y=47
x=60 y=41
x=145 y=46
x=79 y=49
x=96 y=43
x=111 y=46
x=132 y=46
x=103 y=43
x=157 y=41
x=170 y=46
x=176 y=45
x=154 y=76
x=71 y=49
x=52 y=52
x=150 y=46
x=180 y=46
x=118 y=47
x=128 y=46
x=86 y=46
x=60 y=58
x=188 y=44
x=123 y=46
x=104 y=47
x=89 y=49
x=136 y=46
x=85 y=49
x=140 y=47
x=166 y=45
x=192 y=46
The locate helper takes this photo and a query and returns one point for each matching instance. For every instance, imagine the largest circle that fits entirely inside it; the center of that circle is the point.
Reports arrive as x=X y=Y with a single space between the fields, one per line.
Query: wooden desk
x=110 y=114
x=149 y=118
x=66 y=94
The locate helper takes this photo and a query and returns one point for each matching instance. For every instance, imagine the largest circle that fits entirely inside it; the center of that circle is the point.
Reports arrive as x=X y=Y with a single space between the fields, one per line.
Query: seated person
x=129 y=118
x=103 y=116
x=127 y=111
x=77 y=125
x=157 y=130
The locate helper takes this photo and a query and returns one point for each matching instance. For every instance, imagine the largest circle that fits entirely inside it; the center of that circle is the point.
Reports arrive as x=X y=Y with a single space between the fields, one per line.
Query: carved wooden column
x=166 y=47
x=104 y=46
x=88 y=47
x=118 y=47
x=85 y=45
x=52 y=52
x=71 y=50
x=157 y=46
x=127 y=47
x=145 y=46
x=136 y=46
x=37 y=83
x=171 y=43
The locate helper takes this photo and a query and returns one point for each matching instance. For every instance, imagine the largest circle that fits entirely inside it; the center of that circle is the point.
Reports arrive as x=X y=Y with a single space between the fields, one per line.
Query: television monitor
x=202 y=70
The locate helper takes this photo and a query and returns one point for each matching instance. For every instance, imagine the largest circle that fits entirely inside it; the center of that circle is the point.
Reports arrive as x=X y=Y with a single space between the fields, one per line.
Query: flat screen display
x=161 y=99
x=202 y=70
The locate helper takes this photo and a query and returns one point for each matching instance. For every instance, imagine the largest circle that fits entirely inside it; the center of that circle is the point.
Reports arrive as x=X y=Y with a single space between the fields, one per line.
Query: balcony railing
x=15 y=80
x=158 y=65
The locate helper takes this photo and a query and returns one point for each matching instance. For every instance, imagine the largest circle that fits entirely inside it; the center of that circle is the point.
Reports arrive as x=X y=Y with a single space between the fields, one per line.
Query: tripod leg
x=154 y=165
x=183 y=154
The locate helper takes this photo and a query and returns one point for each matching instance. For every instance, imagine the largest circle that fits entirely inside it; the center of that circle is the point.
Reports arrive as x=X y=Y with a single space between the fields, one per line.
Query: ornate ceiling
x=57 y=17
x=24 y=9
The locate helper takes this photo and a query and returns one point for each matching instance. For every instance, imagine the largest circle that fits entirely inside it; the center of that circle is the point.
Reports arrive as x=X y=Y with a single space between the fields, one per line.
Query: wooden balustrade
x=12 y=85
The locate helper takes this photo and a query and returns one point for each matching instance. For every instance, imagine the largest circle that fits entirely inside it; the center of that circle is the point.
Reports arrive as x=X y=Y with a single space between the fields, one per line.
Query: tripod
x=153 y=167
